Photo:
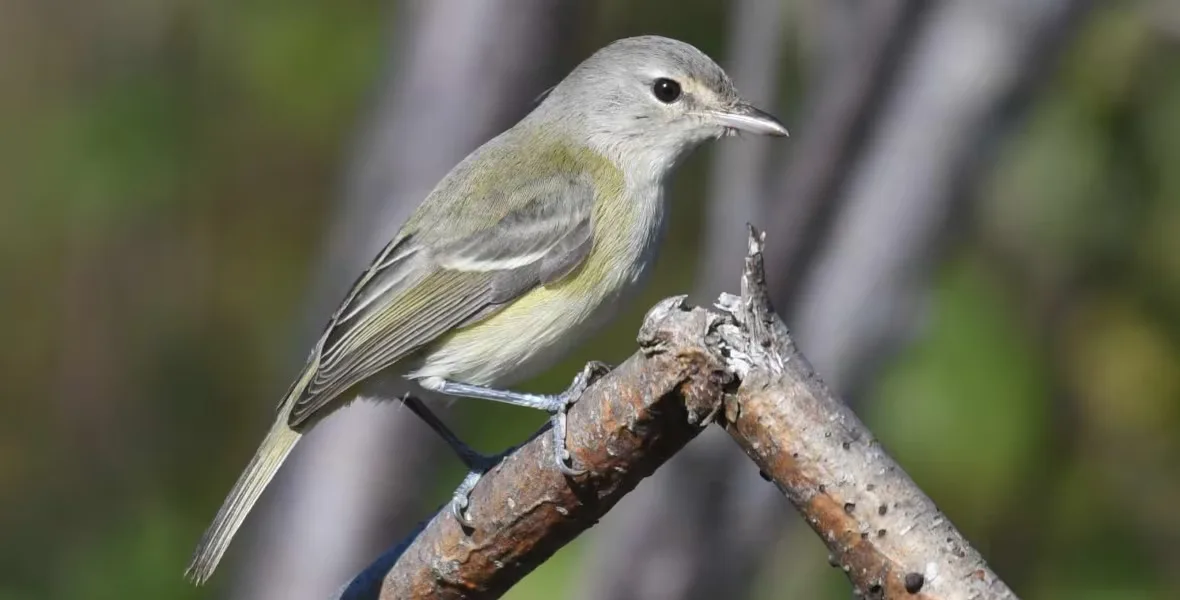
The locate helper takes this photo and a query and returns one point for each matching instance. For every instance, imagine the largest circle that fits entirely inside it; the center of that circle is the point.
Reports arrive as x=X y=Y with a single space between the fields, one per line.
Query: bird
x=520 y=252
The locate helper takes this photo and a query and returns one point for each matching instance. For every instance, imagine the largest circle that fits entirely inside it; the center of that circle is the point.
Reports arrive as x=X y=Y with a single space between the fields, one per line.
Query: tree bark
x=740 y=368
x=884 y=533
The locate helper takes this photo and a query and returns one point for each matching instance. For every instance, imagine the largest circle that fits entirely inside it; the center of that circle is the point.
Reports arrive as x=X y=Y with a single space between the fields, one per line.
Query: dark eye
x=666 y=90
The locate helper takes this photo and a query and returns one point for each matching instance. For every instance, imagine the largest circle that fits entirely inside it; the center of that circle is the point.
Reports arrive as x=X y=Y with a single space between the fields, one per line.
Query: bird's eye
x=666 y=90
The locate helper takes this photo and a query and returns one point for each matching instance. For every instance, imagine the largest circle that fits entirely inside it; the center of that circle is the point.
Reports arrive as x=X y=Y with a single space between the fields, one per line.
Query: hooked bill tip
x=745 y=117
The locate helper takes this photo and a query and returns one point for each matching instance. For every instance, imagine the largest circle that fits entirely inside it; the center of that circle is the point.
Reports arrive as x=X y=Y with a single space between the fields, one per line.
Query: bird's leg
x=477 y=464
x=557 y=405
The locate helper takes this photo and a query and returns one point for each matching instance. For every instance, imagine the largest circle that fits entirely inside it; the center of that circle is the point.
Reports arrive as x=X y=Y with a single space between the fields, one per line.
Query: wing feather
x=415 y=292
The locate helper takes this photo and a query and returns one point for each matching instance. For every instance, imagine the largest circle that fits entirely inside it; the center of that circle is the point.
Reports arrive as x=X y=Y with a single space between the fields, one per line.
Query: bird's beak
x=745 y=117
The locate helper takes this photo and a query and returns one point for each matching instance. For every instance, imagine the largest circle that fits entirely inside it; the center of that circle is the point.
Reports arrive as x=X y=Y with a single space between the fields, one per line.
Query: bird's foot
x=562 y=402
x=556 y=405
x=477 y=464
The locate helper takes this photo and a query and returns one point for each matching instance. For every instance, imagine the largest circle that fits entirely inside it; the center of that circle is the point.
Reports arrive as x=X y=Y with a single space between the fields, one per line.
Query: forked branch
x=737 y=367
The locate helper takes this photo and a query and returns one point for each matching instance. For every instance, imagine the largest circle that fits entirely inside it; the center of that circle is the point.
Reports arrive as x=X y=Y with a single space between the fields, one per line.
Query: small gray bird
x=520 y=252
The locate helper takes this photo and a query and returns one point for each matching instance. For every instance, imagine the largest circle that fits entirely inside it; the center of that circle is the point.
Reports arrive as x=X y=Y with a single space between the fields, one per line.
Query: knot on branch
x=689 y=335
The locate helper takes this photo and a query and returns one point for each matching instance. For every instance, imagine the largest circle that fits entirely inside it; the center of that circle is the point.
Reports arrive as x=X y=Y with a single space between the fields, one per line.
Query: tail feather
x=266 y=462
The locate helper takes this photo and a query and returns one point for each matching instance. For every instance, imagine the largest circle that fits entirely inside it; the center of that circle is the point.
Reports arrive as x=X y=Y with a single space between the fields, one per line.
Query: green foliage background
x=168 y=168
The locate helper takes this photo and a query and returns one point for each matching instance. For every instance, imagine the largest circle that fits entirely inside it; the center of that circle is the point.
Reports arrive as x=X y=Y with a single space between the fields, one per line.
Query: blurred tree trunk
x=889 y=155
x=459 y=73
x=972 y=74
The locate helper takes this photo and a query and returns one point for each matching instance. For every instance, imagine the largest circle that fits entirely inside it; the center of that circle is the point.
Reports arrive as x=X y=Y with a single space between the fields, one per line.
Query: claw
x=458 y=509
x=461 y=497
x=593 y=371
x=480 y=465
x=568 y=470
x=561 y=454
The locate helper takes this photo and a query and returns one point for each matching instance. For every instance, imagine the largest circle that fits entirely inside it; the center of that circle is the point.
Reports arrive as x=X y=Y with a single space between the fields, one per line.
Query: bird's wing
x=417 y=290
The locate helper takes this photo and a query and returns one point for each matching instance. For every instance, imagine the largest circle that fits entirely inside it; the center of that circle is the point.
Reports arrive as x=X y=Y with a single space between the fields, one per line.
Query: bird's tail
x=266 y=462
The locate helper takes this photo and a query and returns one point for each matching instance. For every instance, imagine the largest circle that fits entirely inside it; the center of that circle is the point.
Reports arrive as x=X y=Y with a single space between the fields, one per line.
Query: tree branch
x=888 y=537
x=627 y=424
x=881 y=529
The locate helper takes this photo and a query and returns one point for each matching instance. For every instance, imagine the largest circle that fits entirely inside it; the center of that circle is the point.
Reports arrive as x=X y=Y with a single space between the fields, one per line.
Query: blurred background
x=974 y=231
